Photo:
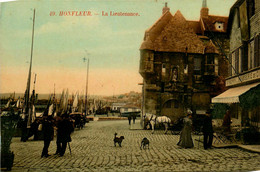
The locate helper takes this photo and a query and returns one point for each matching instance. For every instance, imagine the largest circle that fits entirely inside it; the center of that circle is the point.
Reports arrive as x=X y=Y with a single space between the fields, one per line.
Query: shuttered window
x=230 y=67
x=251 y=55
x=236 y=61
x=233 y=64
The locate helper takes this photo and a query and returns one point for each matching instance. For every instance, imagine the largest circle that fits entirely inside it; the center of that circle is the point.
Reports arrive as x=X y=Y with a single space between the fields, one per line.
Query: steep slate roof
x=177 y=36
x=172 y=34
x=209 y=23
x=157 y=27
x=195 y=25
x=211 y=48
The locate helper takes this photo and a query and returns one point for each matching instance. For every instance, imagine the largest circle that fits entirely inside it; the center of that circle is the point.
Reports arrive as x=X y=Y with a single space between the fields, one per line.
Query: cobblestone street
x=93 y=150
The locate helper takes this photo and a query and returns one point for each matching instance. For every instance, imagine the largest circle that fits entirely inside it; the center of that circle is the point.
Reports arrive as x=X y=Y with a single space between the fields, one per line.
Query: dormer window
x=219 y=26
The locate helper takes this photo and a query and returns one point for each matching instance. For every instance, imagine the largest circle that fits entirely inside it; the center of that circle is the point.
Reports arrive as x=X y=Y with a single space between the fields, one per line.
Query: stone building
x=181 y=63
x=243 y=81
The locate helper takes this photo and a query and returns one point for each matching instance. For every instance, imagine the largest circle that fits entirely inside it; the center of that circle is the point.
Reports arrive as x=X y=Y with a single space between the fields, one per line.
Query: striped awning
x=232 y=95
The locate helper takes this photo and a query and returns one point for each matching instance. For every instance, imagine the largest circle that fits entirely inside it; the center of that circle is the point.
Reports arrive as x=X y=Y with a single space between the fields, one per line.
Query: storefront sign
x=244 y=78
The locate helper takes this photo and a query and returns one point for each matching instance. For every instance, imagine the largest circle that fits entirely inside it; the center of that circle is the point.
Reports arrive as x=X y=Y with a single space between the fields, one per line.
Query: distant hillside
x=7 y=95
x=46 y=96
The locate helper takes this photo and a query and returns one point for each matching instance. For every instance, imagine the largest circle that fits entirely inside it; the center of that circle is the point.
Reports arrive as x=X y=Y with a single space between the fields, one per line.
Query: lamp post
x=86 y=94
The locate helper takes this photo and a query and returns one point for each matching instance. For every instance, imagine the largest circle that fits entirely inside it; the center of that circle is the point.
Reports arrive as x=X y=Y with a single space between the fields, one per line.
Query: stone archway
x=172 y=108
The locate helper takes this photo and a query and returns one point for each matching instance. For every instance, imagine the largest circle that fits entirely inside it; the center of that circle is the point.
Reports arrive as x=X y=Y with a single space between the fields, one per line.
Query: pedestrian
x=227 y=122
x=207 y=130
x=65 y=128
x=185 y=135
x=48 y=133
x=134 y=117
x=24 y=130
x=129 y=119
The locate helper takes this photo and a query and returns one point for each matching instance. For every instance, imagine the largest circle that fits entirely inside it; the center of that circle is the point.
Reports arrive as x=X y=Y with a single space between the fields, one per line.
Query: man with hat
x=48 y=133
x=65 y=128
x=207 y=130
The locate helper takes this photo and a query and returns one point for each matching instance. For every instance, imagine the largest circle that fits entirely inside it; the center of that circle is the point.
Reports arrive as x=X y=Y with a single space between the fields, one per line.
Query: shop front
x=244 y=105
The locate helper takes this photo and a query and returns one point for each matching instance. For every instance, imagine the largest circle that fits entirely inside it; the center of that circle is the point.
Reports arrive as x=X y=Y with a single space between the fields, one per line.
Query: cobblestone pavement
x=93 y=150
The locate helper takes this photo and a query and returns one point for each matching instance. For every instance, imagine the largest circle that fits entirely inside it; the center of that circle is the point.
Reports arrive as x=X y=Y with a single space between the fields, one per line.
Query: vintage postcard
x=130 y=85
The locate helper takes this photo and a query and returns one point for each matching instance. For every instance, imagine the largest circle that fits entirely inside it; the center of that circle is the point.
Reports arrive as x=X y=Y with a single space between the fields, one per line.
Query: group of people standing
x=130 y=117
x=63 y=126
x=207 y=129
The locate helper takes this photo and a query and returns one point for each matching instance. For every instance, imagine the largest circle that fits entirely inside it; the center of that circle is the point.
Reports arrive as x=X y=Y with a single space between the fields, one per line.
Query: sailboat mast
x=86 y=101
x=27 y=96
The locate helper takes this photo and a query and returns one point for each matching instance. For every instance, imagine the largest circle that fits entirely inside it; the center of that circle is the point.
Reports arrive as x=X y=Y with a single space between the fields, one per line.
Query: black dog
x=118 y=140
x=144 y=143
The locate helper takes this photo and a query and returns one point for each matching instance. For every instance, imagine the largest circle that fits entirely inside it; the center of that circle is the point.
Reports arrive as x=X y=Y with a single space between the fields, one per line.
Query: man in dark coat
x=134 y=117
x=48 y=133
x=23 y=125
x=65 y=128
x=129 y=119
x=207 y=131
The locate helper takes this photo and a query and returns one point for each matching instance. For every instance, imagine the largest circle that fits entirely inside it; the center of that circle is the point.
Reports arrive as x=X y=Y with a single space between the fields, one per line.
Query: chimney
x=165 y=9
x=204 y=12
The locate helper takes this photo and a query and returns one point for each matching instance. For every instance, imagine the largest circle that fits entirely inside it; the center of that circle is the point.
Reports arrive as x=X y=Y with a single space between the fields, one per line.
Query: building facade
x=181 y=64
x=243 y=81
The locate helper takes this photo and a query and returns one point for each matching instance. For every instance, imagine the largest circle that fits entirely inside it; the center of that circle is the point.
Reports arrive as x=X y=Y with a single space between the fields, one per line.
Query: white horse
x=153 y=119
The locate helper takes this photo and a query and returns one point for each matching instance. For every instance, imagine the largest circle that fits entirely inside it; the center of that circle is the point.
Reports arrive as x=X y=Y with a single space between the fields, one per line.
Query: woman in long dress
x=185 y=136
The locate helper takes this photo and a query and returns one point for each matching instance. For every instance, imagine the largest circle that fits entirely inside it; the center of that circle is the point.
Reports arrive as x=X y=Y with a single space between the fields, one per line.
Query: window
x=234 y=62
x=148 y=63
x=219 y=26
x=197 y=65
x=251 y=55
x=210 y=59
x=254 y=53
x=257 y=51
x=240 y=65
x=251 y=8
x=186 y=69
x=163 y=70
x=209 y=66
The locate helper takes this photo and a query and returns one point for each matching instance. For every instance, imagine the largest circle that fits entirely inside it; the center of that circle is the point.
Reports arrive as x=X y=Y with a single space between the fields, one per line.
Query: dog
x=118 y=140
x=144 y=143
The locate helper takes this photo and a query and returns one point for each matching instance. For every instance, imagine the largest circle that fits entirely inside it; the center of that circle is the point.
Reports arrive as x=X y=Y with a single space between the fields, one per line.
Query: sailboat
x=29 y=114
x=75 y=103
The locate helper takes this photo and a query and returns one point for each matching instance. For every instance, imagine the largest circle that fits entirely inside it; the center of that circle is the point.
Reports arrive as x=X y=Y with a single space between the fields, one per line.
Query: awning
x=232 y=95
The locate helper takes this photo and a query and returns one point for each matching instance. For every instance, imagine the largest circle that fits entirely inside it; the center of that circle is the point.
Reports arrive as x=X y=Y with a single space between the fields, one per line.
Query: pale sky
x=61 y=42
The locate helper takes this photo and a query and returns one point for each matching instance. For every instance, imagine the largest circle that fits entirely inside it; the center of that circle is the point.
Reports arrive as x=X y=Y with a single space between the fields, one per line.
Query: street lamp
x=86 y=94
